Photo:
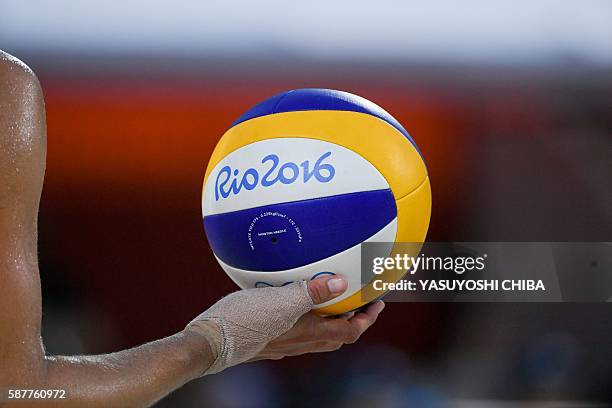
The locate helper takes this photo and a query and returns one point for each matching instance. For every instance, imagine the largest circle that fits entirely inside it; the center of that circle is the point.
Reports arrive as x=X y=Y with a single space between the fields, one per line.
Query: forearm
x=131 y=378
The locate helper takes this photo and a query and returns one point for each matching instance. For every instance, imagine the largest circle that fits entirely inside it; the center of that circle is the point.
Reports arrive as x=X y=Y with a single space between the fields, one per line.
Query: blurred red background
x=512 y=154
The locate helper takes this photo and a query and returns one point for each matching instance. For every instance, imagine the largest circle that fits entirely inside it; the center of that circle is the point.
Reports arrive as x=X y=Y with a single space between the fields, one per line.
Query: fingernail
x=336 y=285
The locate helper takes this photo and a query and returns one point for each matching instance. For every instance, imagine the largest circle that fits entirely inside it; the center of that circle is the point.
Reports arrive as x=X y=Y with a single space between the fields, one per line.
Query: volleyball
x=303 y=178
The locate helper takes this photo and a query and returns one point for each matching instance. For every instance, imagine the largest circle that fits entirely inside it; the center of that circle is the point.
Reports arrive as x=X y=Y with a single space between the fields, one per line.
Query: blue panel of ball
x=288 y=235
x=321 y=99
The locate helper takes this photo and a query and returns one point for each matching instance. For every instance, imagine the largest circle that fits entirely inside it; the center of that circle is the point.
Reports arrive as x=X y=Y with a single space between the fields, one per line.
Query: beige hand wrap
x=241 y=324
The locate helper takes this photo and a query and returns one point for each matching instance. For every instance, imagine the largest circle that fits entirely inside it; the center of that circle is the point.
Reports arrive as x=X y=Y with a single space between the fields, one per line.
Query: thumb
x=326 y=288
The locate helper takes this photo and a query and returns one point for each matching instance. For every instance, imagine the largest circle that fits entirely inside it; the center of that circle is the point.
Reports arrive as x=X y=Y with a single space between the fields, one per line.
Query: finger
x=362 y=320
x=337 y=330
x=326 y=288
x=346 y=316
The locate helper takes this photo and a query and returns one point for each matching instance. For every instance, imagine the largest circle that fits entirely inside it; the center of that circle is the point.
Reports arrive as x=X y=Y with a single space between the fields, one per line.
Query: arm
x=130 y=378
x=142 y=375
